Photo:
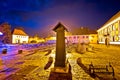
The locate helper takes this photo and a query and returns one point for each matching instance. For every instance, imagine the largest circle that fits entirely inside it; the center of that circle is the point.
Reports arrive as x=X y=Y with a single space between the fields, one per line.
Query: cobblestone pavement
x=77 y=72
x=102 y=55
x=31 y=66
x=25 y=66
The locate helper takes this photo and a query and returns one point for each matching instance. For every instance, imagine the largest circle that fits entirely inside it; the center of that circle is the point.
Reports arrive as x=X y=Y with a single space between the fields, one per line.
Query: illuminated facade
x=51 y=39
x=82 y=35
x=77 y=39
x=19 y=36
x=93 y=38
x=36 y=39
x=110 y=30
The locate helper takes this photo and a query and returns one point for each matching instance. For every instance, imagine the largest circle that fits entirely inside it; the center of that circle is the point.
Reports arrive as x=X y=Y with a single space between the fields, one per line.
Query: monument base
x=61 y=73
x=61 y=69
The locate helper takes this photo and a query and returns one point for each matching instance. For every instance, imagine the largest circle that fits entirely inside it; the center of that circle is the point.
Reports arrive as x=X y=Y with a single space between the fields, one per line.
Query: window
x=92 y=36
x=74 y=37
x=83 y=36
x=116 y=25
x=86 y=36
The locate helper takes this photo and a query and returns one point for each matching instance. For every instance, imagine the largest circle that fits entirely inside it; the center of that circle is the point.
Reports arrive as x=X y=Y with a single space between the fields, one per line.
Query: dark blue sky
x=40 y=16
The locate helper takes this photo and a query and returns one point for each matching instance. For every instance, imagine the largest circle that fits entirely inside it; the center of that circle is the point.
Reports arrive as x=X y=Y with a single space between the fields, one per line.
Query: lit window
x=112 y=33
x=116 y=38
x=74 y=37
x=116 y=32
x=116 y=25
x=86 y=36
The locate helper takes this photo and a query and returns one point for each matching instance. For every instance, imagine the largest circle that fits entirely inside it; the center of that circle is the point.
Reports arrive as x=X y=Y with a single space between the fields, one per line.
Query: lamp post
x=0 y=36
x=1 y=33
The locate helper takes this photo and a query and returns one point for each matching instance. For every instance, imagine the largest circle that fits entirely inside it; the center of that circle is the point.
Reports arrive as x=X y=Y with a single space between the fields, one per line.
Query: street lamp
x=1 y=33
x=0 y=37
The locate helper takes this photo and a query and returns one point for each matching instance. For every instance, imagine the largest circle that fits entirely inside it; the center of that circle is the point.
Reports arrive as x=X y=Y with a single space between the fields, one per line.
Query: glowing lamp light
x=1 y=33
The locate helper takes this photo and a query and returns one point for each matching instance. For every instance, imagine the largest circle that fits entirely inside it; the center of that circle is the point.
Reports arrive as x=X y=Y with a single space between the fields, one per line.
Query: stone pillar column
x=60 y=49
x=60 y=57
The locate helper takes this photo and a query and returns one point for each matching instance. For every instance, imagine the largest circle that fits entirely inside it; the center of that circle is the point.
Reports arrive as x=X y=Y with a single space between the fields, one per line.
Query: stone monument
x=62 y=69
x=60 y=57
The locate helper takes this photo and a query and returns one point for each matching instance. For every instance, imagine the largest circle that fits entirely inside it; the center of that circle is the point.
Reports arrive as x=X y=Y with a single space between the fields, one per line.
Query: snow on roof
x=19 y=32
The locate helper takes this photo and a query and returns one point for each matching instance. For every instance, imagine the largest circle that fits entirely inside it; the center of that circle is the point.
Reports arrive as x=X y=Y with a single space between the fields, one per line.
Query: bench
x=101 y=69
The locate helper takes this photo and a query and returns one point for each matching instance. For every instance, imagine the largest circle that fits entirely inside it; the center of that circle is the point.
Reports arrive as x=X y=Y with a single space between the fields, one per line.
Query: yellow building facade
x=110 y=30
x=93 y=38
x=36 y=39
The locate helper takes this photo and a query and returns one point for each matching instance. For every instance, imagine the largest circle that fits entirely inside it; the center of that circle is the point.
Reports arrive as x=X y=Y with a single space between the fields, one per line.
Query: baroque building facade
x=110 y=31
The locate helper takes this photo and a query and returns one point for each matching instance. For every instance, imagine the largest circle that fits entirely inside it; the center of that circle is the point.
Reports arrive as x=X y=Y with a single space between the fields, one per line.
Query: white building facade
x=110 y=30
x=19 y=36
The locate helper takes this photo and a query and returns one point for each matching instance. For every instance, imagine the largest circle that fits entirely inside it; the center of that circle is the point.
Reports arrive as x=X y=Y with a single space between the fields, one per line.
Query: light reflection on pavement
x=16 y=64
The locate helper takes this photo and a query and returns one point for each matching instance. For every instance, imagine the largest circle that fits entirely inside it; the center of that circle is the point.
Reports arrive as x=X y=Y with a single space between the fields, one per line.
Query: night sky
x=40 y=16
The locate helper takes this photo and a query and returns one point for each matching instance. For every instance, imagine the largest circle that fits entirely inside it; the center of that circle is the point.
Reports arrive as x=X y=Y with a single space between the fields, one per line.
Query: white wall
x=19 y=39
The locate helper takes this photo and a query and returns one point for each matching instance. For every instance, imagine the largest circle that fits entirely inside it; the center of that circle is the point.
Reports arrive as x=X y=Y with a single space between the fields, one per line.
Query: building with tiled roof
x=110 y=31
x=19 y=32
x=19 y=36
x=82 y=35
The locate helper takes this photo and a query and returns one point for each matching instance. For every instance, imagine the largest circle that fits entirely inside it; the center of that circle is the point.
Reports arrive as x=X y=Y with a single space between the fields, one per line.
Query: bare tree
x=6 y=29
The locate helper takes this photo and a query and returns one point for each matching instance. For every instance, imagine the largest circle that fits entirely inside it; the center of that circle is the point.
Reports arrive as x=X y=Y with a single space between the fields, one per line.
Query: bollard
x=4 y=51
x=20 y=51
x=50 y=60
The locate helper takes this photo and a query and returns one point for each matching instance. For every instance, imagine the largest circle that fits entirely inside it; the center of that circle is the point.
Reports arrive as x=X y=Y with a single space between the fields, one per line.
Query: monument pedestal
x=61 y=73
x=61 y=69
